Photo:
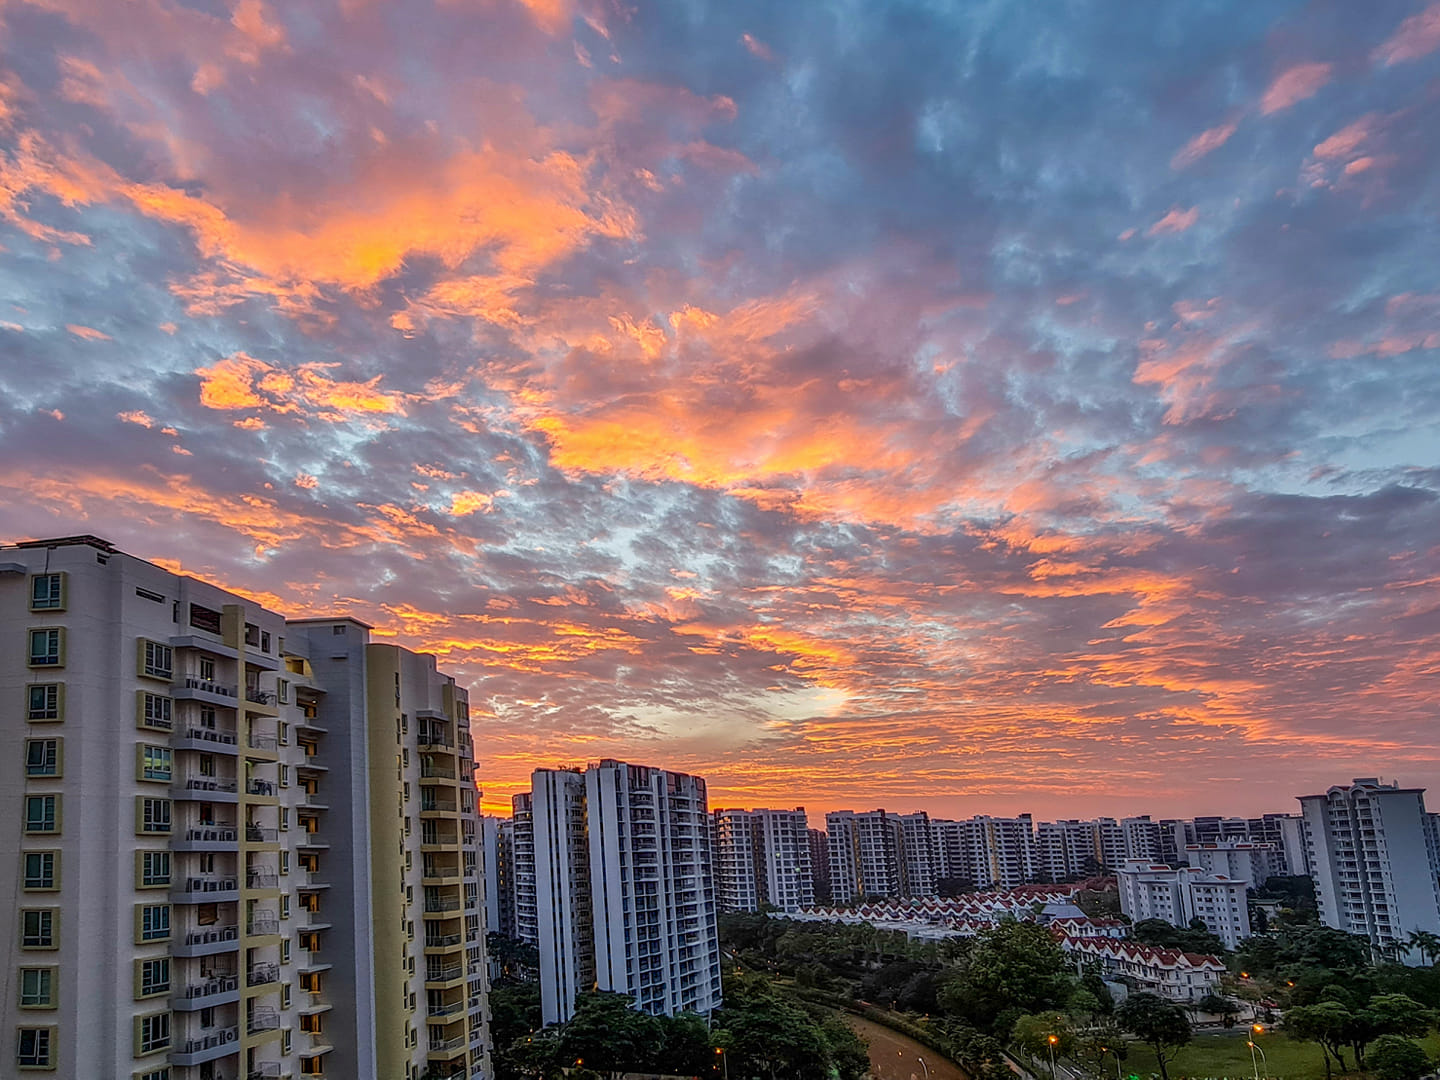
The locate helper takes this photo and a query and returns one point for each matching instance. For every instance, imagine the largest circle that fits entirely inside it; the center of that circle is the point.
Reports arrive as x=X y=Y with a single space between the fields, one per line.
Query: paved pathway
x=895 y=1057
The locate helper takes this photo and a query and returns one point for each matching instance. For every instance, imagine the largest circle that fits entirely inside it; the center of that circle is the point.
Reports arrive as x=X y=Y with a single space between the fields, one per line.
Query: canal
x=895 y=1057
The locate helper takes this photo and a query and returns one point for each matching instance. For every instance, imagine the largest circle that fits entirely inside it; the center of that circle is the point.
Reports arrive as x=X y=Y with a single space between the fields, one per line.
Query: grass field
x=1229 y=1056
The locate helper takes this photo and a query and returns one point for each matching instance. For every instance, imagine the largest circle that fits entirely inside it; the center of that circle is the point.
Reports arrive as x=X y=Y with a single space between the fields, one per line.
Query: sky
x=976 y=407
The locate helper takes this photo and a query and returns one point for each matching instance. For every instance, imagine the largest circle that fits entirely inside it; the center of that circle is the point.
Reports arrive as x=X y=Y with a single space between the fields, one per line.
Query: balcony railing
x=209 y=783
x=212 y=934
x=445 y=1046
x=218 y=984
x=260 y=787
x=263 y=742
x=259 y=926
x=262 y=1069
x=258 y=834
x=442 y=941
x=437 y=1012
x=435 y=973
x=439 y=904
x=210 y=1041
x=205 y=734
x=260 y=697
x=262 y=1020
x=216 y=834
x=209 y=686
x=260 y=974
x=261 y=879
x=210 y=884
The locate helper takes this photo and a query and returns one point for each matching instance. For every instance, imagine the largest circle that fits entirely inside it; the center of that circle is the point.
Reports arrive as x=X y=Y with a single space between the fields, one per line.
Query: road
x=895 y=1057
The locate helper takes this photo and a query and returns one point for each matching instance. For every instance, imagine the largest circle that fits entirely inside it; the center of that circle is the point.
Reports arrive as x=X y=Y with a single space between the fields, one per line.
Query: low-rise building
x=1179 y=976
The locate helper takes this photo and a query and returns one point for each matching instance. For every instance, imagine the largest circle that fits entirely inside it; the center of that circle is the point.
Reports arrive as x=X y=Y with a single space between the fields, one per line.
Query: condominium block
x=206 y=867
x=820 y=864
x=522 y=822
x=1240 y=860
x=866 y=854
x=620 y=858
x=762 y=858
x=498 y=839
x=1372 y=849
x=987 y=851
x=1178 y=895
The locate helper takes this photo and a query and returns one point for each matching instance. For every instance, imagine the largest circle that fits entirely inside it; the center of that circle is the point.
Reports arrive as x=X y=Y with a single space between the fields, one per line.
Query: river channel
x=895 y=1057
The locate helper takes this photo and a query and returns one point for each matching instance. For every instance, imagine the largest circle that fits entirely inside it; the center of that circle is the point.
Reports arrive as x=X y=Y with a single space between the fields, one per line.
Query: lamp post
x=1053 y=1040
x=1106 y=1050
x=923 y=1066
x=1255 y=1029
x=724 y=1062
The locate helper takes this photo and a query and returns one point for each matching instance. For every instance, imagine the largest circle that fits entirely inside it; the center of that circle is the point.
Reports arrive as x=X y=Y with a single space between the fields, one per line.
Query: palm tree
x=1426 y=944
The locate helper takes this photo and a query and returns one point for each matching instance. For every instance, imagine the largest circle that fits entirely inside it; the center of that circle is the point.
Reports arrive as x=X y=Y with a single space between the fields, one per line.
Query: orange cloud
x=89 y=333
x=1206 y=142
x=1295 y=85
x=243 y=382
x=1175 y=221
x=1417 y=36
x=757 y=47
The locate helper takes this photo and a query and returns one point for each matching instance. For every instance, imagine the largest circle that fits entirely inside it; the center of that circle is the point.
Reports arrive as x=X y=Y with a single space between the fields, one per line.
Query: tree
x=1396 y=1058
x=1219 y=1005
x=1426 y=944
x=1160 y=1024
x=1326 y=1023
x=1012 y=969
x=1195 y=938
x=1033 y=1034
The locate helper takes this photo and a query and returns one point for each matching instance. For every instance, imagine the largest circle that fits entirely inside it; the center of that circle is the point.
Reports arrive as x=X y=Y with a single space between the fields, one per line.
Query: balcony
x=447 y=973
x=207 y=740
x=446 y=1013
x=203 y=789
x=206 y=889
x=437 y=904
x=205 y=838
x=263 y=788
x=208 y=1047
x=266 y=744
x=217 y=990
x=213 y=939
x=262 y=879
x=190 y=688
x=443 y=941
x=262 y=1020
x=263 y=1069
x=263 y=925
x=259 y=834
x=262 y=974
x=447 y=1048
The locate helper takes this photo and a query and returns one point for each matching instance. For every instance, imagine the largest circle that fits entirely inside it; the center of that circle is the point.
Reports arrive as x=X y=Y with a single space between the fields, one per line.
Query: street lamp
x=1255 y=1029
x=923 y=1066
x=724 y=1062
x=1106 y=1050
x=1053 y=1040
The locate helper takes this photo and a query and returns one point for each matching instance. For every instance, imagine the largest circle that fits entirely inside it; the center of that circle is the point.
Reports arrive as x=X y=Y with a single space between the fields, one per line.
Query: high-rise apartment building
x=522 y=831
x=920 y=857
x=986 y=851
x=498 y=839
x=762 y=857
x=620 y=861
x=1372 y=848
x=234 y=839
x=1240 y=860
x=1178 y=895
x=866 y=854
x=564 y=919
x=820 y=864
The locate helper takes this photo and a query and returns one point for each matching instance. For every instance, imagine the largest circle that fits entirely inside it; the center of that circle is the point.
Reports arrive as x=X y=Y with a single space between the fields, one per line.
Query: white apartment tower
x=213 y=816
x=562 y=890
x=866 y=854
x=623 y=887
x=762 y=857
x=522 y=831
x=1178 y=895
x=652 y=887
x=1372 y=851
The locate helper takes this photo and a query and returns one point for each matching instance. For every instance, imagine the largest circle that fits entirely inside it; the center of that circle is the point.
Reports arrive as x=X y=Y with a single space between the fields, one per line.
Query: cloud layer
x=972 y=409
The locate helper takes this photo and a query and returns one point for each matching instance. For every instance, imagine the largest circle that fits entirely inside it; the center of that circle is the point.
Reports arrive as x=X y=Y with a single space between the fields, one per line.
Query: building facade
x=762 y=858
x=1372 y=849
x=564 y=920
x=1178 y=895
x=200 y=881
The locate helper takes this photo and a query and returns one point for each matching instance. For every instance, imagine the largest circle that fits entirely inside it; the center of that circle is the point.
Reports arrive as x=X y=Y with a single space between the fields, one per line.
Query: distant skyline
x=984 y=407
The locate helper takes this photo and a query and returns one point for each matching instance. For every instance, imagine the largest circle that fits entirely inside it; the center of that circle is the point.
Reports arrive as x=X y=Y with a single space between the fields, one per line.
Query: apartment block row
x=236 y=845
x=611 y=876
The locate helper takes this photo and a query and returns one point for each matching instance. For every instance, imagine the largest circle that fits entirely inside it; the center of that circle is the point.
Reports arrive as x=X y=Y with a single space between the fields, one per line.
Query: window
x=152 y=977
x=156 y=763
x=46 y=647
x=157 y=661
x=35 y=1048
x=42 y=869
x=284 y=775
x=154 y=922
x=154 y=869
x=146 y=594
x=265 y=641
x=337 y=631
x=285 y=905
x=285 y=1035
x=285 y=987
x=155 y=712
x=47 y=592
x=42 y=701
x=284 y=862
x=284 y=817
x=37 y=988
x=162 y=1073
x=152 y=1033
x=154 y=815
x=285 y=959
x=42 y=813
x=37 y=928
x=284 y=736
x=282 y=691
x=42 y=757
x=312 y=1024
x=207 y=669
x=207 y=717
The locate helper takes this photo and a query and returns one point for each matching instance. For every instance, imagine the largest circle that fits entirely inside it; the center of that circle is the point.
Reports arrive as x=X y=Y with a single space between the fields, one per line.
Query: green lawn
x=1227 y=1055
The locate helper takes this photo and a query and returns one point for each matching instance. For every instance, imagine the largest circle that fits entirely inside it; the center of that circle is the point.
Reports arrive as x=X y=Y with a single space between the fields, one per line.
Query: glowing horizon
x=978 y=409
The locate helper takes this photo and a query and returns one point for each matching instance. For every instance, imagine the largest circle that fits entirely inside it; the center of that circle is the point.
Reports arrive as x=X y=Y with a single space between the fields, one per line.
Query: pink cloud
x=1294 y=85
x=1417 y=36
x=1208 y=140
x=1345 y=142
x=1176 y=221
x=758 y=47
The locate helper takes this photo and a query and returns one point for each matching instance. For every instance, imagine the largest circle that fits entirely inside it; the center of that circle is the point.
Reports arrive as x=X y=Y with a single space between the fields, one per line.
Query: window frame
x=150 y=668
x=147 y=769
x=152 y=880
x=53 y=707
x=44 y=660
x=147 y=985
x=48 y=1034
x=55 y=603
x=49 y=824
x=147 y=816
x=46 y=976
x=147 y=935
x=153 y=1046
x=56 y=757
x=155 y=712
x=51 y=940
x=54 y=876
